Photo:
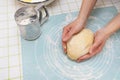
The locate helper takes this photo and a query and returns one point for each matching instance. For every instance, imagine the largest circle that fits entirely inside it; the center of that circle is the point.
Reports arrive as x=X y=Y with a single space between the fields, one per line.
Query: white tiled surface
x=10 y=48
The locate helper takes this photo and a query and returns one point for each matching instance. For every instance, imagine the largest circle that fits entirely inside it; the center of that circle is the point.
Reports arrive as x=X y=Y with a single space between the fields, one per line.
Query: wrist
x=106 y=31
x=81 y=19
x=113 y=25
x=81 y=22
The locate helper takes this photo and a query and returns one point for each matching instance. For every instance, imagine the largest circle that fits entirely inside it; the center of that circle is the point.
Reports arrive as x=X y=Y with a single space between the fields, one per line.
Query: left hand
x=74 y=27
x=100 y=38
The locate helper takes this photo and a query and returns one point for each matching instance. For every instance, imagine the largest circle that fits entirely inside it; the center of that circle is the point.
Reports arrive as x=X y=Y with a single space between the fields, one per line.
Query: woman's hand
x=78 y=24
x=99 y=41
x=69 y=30
x=101 y=36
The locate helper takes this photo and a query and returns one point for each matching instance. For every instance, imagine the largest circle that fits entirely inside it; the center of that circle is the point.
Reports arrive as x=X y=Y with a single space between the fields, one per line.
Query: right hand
x=100 y=38
x=69 y=30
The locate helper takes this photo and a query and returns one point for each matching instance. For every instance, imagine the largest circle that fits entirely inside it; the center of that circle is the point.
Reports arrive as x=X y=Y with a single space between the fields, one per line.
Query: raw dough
x=79 y=44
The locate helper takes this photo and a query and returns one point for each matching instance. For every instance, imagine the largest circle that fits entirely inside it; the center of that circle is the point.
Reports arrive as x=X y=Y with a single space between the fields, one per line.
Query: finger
x=99 y=48
x=64 y=47
x=95 y=45
x=84 y=57
x=89 y=55
x=80 y=60
x=69 y=35
x=65 y=31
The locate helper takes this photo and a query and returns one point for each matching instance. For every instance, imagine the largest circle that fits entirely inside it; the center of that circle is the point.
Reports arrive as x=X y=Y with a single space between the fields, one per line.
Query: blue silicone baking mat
x=44 y=59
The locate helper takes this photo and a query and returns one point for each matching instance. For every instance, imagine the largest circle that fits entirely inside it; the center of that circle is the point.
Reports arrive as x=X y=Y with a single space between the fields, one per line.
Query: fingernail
x=64 y=39
x=81 y=58
x=64 y=47
x=78 y=61
x=90 y=51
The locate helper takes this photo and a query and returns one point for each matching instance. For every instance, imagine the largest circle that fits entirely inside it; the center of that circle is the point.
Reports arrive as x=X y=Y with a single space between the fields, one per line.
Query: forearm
x=113 y=25
x=86 y=8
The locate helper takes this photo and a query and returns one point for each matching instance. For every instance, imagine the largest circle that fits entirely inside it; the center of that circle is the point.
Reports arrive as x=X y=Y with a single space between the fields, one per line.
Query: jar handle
x=42 y=10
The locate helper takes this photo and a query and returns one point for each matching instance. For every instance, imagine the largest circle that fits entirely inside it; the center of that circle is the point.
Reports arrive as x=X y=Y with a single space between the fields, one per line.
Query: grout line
x=78 y=6
x=8 y=43
x=68 y=6
x=60 y=6
x=103 y=3
x=14 y=27
x=11 y=66
x=19 y=55
x=50 y=11
x=19 y=49
x=14 y=78
x=112 y=3
x=115 y=2
x=10 y=55
x=8 y=36
x=9 y=46
x=6 y=19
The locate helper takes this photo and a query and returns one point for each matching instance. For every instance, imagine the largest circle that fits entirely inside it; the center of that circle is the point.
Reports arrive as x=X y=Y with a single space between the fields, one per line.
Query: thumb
x=94 y=46
x=69 y=35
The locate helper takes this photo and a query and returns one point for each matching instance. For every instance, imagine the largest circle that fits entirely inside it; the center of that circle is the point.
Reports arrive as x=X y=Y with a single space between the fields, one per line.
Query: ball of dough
x=80 y=44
